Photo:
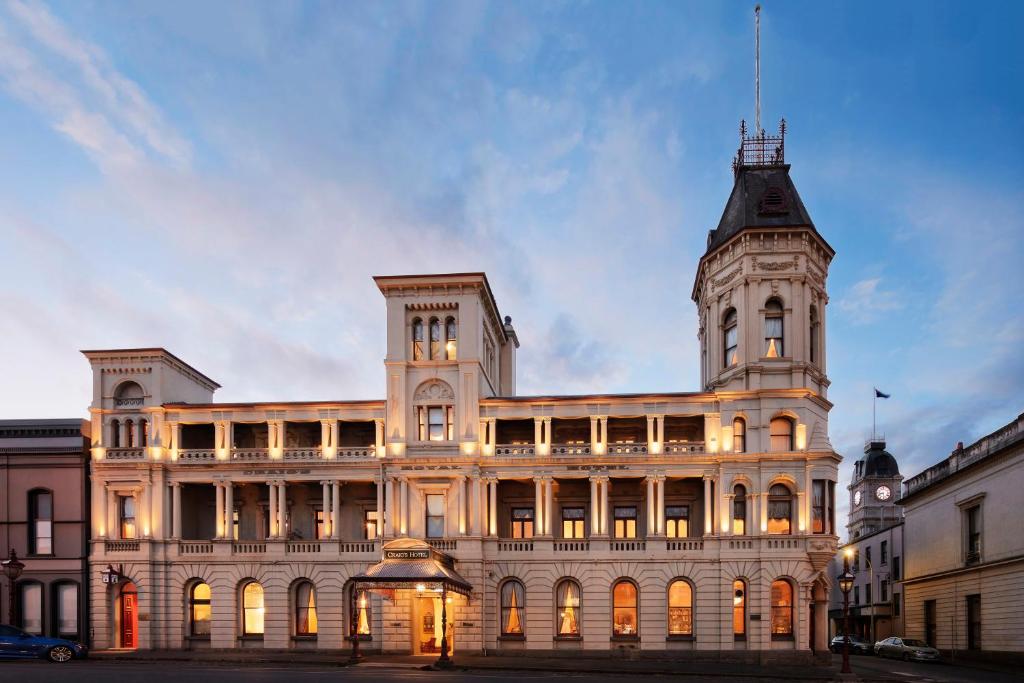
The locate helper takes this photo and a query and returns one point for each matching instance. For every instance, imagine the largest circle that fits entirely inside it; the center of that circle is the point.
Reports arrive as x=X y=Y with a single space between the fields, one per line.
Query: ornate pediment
x=434 y=390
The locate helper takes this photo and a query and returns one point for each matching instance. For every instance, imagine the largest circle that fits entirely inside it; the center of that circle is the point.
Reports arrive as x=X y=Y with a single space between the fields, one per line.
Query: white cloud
x=867 y=302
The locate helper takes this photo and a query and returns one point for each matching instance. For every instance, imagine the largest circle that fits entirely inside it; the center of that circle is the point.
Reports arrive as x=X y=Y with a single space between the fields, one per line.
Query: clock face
x=883 y=492
x=856 y=498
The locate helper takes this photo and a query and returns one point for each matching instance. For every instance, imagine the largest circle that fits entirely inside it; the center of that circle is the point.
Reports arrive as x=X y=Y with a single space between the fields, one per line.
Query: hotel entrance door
x=428 y=627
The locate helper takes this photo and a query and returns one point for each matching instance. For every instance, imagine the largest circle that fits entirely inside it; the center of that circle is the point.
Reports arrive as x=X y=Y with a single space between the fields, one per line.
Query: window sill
x=680 y=638
x=198 y=639
x=305 y=637
x=782 y=637
x=739 y=637
x=254 y=638
x=512 y=637
x=625 y=639
x=364 y=638
x=567 y=638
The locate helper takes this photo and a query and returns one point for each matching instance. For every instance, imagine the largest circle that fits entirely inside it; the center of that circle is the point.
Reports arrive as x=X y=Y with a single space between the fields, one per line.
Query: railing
x=306 y=453
x=570 y=449
x=685 y=545
x=573 y=546
x=358 y=547
x=515 y=546
x=358 y=452
x=681 y=448
x=627 y=448
x=121 y=546
x=248 y=548
x=125 y=454
x=128 y=402
x=195 y=548
x=781 y=543
x=515 y=449
x=627 y=546
x=740 y=544
x=301 y=547
x=442 y=544
x=197 y=455
x=250 y=454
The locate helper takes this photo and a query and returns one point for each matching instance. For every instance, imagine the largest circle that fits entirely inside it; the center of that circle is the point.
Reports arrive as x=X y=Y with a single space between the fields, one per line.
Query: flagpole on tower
x=757 y=70
x=874 y=403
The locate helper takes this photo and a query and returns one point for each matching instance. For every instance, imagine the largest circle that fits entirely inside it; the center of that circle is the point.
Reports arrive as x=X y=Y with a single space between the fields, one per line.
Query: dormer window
x=773 y=201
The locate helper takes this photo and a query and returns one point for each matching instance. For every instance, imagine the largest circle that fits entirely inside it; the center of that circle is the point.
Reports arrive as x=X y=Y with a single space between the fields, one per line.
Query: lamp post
x=12 y=570
x=845 y=585
x=355 y=657
x=444 y=662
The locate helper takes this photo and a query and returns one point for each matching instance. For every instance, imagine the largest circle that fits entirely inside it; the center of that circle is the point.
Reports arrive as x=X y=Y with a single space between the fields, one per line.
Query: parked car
x=17 y=644
x=858 y=646
x=906 y=649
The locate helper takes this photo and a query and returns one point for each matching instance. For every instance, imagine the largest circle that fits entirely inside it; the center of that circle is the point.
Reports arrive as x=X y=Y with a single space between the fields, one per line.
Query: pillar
x=379 y=449
x=272 y=532
x=652 y=521
x=229 y=510
x=708 y=507
x=821 y=626
x=538 y=437
x=650 y=432
x=335 y=509
x=595 y=508
x=661 y=431
x=379 y=486
x=659 y=505
x=462 y=506
x=282 y=509
x=604 y=484
x=604 y=433
x=403 y=507
x=220 y=510
x=113 y=528
x=549 y=497
x=176 y=509
x=492 y=508
x=594 y=435
x=325 y=505
x=389 y=508
x=763 y=509
x=474 y=507
x=122 y=433
x=538 y=506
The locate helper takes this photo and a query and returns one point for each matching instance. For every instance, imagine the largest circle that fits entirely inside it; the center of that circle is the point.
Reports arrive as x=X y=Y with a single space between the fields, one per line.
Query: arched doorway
x=127 y=616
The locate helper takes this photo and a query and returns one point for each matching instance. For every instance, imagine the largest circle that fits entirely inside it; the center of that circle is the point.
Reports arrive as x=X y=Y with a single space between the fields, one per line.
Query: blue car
x=16 y=644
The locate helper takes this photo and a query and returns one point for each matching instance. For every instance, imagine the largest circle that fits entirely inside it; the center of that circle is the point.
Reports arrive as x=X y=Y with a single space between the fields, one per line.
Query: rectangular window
x=573 y=523
x=895 y=567
x=973 y=622
x=522 y=522
x=67 y=610
x=625 y=522
x=885 y=552
x=856 y=595
x=884 y=588
x=435 y=515
x=856 y=560
x=867 y=594
x=973 y=536
x=126 y=510
x=677 y=521
x=435 y=422
x=371 y=528
x=867 y=557
x=896 y=604
x=42 y=523
x=449 y=414
x=235 y=523
x=321 y=531
x=32 y=608
x=831 y=507
x=818 y=506
x=930 y=622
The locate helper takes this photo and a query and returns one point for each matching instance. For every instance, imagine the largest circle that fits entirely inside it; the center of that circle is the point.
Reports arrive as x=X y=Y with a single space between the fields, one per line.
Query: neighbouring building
x=664 y=522
x=875 y=532
x=44 y=479
x=965 y=550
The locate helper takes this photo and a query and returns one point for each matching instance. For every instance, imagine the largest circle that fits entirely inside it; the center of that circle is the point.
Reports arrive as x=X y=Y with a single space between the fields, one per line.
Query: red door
x=128 y=617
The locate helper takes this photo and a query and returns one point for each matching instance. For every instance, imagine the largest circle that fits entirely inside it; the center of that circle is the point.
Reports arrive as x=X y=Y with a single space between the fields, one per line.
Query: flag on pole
x=879 y=394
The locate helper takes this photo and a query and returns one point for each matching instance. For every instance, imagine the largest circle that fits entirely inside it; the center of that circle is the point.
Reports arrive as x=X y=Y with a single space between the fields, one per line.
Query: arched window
x=451 y=336
x=32 y=607
x=126 y=516
x=568 y=609
x=739 y=435
x=624 y=610
x=780 y=509
x=680 y=608
x=143 y=433
x=128 y=395
x=40 y=510
x=730 y=339
x=417 y=339
x=65 y=595
x=305 y=609
x=513 y=600
x=782 y=609
x=814 y=330
x=252 y=609
x=739 y=510
x=363 y=613
x=781 y=434
x=739 y=609
x=129 y=434
x=115 y=434
x=199 y=610
x=773 y=329
x=435 y=339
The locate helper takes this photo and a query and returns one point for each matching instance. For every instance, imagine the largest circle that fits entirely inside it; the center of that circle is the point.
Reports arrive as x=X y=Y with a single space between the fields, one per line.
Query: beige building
x=965 y=550
x=691 y=521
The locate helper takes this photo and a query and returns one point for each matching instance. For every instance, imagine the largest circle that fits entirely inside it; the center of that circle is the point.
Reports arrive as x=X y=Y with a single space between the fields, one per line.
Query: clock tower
x=874 y=491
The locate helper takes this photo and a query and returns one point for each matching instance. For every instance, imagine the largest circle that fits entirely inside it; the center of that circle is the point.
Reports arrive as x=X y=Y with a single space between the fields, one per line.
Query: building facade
x=44 y=520
x=698 y=521
x=965 y=550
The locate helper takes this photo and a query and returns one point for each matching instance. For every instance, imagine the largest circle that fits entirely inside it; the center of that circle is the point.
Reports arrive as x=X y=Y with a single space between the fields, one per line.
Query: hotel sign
x=408 y=554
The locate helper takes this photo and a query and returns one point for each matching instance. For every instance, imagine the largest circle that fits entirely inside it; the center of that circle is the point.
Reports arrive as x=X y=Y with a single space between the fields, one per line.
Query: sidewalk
x=575 y=664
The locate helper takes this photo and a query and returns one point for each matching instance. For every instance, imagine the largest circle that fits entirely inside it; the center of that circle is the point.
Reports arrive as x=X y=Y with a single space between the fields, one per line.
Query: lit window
x=572 y=523
x=41 y=526
x=680 y=609
x=126 y=510
x=321 y=530
x=451 y=335
x=32 y=608
x=780 y=510
x=625 y=522
x=739 y=435
x=252 y=609
x=513 y=600
x=624 y=610
x=67 y=610
x=522 y=522
x=199 y=610
x=417 y=339
x=362 y=605
x=773 y=329
x=782 y=608
x=731 y=338
x=449 y=414
x=781 y=434
x=739 y=609
x=435 y=515
x=739 y=510
x=435 y=339
x=568 y=608
x=305 y=610
x=818 y=506
x=677 y=521
x=371 y=530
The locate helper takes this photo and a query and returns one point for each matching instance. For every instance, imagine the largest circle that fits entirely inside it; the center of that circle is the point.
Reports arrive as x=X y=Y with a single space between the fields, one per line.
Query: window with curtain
x=780 y=432
x=677 y=521
x=32 y=608
x=363 y=613
x=417 y=339
x=739 y=609
x=522 y=522
x=252 y=609
x=513 y=600
x=739 y=510
x=451 y=334
x=41 y=522
x=568 y=608
x=818 y=506
x=199 y=610
x=773 y=329
x=305 y=609
x=435 y=515
x=680 y=609
x=624 y=609
x=730 y=339
x=126 y=510
x=739 y=435
x=435 y=339
x=573 y=522
x=780 y=509
x=66 y=596
x=782 y=609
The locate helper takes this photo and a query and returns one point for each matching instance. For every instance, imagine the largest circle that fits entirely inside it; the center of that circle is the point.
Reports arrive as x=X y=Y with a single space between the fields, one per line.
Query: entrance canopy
x=414 y=565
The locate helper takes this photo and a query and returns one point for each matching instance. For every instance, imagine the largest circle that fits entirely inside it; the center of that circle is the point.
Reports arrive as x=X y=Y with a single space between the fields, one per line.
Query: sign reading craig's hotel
x=653 y=521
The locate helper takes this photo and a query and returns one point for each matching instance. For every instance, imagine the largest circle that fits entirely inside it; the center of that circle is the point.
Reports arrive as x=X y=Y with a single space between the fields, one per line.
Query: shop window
x=32 y=607
x=66 y=597
x=363 y=614
x=782 y=609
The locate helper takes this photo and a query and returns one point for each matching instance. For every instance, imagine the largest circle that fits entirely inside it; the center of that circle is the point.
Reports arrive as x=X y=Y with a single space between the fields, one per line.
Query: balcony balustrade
x=570 y=449
x=360 y=452
x=627 y=546
x=443 y=544
x=514 y=449
x=301 y=547
x=125 y=454
x=195 y=548
x=194 y=455
x=627 y=448
x=304 y=454
x=250 y=454
x=683 y=448
x=127 y=546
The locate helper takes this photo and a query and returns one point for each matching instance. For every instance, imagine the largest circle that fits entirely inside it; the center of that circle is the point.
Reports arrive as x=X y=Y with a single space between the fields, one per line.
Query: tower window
x=451 y=335
x=739 y=435
x=815 y=330
x=731 y=337
x=773 y=329
x=417 y=339
x=739 y=510
x=781 y=434
x=435 y=339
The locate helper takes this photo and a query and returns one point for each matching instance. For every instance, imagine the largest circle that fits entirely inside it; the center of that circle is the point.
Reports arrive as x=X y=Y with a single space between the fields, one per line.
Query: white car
x=906 y=649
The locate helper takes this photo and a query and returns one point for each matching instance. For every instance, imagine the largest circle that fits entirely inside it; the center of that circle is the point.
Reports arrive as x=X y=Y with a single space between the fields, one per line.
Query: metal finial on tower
x=757 y=69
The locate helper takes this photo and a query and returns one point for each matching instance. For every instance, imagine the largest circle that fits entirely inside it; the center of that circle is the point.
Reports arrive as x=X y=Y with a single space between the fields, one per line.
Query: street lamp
x=444 y=661
x=846 y=585
x=12 y=570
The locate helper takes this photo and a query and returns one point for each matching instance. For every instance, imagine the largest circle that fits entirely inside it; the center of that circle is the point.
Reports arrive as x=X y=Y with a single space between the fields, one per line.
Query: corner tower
x=760 y=285
x=874 y=491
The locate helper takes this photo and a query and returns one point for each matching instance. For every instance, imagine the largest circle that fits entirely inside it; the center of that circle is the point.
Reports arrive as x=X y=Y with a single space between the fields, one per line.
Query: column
x=462 y=505
x=328 y=511
x=229 y=510
x=652 y=520
x=763 y=508
x=380 y=507
x=547 y=433
x=821 y=626
x=549 y=497
x=378 y=424
x=176 y=511
x=801 y=510
x=143 y=509
x=272 y=532
x=492 y=434
x=334 y=435
x=492 y=508
x=474 y=507
x=336 y=509
x=389 y=508
x=708 y=507
x=220 y=510
x=727 y=507
x=403 y=507
x=594 y=436
x=661 y=431
x=595 y=508
x=604 y=484
x=282 y=509
x=650 y=432
x=538 y=506
x=138 y=431
x=659 y=490
x=538 y=438
x=113 y=528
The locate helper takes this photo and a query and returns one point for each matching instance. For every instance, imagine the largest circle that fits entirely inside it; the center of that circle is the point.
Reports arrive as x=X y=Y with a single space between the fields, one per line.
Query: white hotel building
x=670 y=522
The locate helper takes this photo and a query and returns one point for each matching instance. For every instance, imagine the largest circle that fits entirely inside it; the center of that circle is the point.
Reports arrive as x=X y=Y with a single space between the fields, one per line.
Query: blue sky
x=222 y=179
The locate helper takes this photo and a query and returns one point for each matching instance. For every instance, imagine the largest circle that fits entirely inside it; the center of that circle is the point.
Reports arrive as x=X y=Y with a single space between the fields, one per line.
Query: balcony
x=627 y=448
x=128 y=546
x=197 y=455
x=125 y=454
x=515 y=449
